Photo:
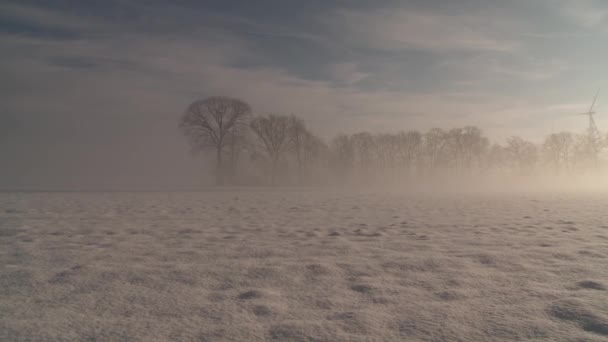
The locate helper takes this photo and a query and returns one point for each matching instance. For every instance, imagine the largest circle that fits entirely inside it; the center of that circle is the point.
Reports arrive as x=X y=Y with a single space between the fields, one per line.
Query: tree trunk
x=273 y=173
x=233 y=161
x=275 y=163
x=300 y=168
x=219 y=176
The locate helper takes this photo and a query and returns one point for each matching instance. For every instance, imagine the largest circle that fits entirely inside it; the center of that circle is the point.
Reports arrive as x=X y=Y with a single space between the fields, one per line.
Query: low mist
x=299 y=171
x=281 y=150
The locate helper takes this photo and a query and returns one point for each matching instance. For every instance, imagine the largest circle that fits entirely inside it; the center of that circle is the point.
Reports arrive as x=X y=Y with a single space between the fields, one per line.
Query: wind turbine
x=593 y=134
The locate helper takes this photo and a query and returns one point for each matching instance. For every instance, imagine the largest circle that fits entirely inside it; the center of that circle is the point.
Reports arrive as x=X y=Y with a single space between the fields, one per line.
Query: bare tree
x=584 y=153
x=475 y=146
x=497 y=159
x=274 y=143
x=314 y=153
x=387 y=151
x=409 y=144
x=557 y=149
x=343 y=156
x=435 y=147
x=364 y=152
x=273 y=133
x=239 y=141
x=307 y=148
x=314 y=150
x=298 y=136
x=212 y=123
x=522 y=153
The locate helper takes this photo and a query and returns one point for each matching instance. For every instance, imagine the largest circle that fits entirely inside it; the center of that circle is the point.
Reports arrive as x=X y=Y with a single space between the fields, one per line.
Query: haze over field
x=294 y=171
x=92 y=93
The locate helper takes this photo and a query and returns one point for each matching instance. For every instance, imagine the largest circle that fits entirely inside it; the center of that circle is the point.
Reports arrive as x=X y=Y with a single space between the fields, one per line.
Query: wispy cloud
x=43 y=19
x=348 y=73
x=388 y=68
x=394 y=28
x=587 y=13
x=481 y=69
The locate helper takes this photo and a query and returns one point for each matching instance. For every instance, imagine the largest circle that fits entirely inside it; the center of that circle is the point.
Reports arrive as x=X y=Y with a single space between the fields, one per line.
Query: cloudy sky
x=92 y=90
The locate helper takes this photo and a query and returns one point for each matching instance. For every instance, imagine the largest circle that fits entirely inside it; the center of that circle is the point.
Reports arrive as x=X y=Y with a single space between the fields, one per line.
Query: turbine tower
x=594 y=138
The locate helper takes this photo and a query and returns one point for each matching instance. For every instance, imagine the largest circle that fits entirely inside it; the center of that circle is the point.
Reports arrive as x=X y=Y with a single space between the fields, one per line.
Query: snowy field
x=303 y=265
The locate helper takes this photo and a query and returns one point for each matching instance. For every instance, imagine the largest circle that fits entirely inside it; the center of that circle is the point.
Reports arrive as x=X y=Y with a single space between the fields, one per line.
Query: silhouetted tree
x=497 y=159
x=409 y=149
x=523 y=154
x=314 y=149
x=557 y=149
x=303 y=145
x=364 y=152
x=314 y=153
x=584 y=153
x=239 y=141
x=273 y=133
x=475 y=146
x=214 y=122
x=387 y=150
x=342 y=156
x=276 y=143
x=297 y=135
x=435 y=143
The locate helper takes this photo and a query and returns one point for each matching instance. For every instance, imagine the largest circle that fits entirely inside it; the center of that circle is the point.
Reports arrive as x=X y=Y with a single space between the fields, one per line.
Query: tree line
x=281 y=149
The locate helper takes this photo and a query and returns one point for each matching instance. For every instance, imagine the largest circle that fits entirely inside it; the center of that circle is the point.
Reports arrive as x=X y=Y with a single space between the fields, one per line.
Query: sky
x=91 y=91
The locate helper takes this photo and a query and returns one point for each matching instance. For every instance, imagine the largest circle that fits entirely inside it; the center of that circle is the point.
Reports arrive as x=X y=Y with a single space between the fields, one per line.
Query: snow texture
x=303 y=265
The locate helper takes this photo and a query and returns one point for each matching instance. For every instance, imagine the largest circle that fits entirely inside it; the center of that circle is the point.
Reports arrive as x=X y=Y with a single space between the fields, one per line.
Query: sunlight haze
x=92 y=92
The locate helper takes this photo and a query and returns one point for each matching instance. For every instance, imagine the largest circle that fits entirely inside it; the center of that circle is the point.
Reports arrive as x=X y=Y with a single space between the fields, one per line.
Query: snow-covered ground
x=303 y=265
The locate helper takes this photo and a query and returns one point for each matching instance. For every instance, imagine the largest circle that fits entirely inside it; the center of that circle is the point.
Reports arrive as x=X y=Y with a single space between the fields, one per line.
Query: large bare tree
x=213 y=123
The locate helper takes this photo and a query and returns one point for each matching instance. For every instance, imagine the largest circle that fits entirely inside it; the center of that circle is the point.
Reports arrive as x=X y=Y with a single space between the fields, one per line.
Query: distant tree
x=557 y=149
x=475 y=146
x=387 y=151
x=364 y=152
x=497 y=159
x=465 y=147
x=588 y=149
x=273 y=132
x=584 y=153
x=314 y=150
x=213 y=123
x=307 y=149
x=456 y=147
x=522 y=153
x=314 y=158
x=435 y=147
x=300 y=140
x=239 y=141
x=408 y=147
x=297 y=135
x=343 y=155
